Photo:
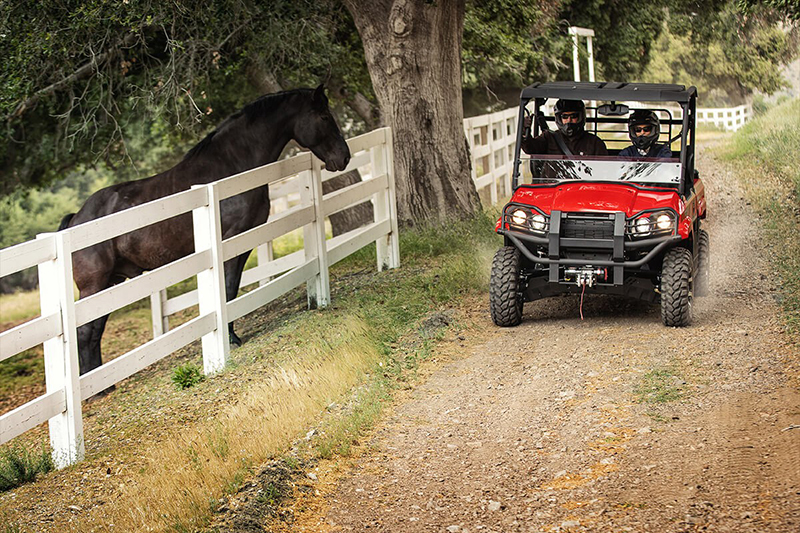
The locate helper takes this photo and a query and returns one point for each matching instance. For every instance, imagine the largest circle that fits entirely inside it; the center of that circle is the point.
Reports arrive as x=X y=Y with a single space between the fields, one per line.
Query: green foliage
x=660 y=385
x=624 y=34
x=78 y=79
x=766 y=152
x=188 y=375
x=787 y=8
x=18 y=465
x=508 y=43
x=727 y=58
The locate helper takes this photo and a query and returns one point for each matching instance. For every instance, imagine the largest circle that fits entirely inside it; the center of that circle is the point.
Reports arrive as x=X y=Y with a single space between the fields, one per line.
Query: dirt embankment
x=614 y=423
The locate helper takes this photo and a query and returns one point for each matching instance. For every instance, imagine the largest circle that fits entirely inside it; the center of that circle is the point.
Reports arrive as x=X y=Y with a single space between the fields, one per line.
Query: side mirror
x=613 y=110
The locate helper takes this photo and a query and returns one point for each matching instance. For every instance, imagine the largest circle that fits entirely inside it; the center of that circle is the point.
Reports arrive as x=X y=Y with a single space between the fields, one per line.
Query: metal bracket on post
x=318 y=288
x=61 y=353
x=211 y=282
x=387 y=247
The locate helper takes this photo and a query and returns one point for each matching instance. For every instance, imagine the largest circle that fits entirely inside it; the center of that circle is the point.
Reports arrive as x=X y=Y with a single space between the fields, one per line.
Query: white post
x=493 y=188
x=577 y=32
x=318 y=288
x=160 y=321
x=388 y=246
x=61 y=353
x=265 y=254
x=576 y=65
x=211 y=282
x=508 y=150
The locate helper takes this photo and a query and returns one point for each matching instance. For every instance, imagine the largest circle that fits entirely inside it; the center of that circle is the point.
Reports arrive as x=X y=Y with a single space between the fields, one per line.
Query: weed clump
x=18 y=466
x=187 y=375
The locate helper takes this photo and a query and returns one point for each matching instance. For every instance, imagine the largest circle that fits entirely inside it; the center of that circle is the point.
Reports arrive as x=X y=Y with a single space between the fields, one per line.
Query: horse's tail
x=65 y=221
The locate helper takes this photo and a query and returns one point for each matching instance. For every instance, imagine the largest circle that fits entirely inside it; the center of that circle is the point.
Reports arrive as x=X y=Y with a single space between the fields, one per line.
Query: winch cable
x=581 y=306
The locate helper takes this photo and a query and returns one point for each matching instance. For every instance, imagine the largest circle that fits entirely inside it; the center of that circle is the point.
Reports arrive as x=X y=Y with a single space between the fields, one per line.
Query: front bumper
x=616 y=246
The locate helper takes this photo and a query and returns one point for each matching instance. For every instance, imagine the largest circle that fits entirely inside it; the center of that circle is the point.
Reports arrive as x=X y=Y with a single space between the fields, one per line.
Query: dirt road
x=613 y=423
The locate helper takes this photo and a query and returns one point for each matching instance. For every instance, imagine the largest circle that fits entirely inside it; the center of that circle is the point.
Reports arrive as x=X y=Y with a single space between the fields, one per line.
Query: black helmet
x=643 y=117
x=573 y=129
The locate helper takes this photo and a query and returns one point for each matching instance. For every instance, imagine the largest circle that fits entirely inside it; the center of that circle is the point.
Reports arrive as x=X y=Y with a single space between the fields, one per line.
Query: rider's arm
x=535 y=145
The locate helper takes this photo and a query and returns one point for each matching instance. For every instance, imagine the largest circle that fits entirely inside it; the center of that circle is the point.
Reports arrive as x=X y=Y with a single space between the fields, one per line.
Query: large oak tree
x=413 y=51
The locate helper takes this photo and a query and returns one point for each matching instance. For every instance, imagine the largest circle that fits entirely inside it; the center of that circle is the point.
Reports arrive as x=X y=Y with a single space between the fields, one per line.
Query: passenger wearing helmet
x=571 y=137
x=644 y=129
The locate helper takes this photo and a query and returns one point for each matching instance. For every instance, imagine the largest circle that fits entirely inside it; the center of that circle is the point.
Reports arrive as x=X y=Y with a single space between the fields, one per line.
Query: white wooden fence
x=491 y=141
x=61 y=314
x=728 y=119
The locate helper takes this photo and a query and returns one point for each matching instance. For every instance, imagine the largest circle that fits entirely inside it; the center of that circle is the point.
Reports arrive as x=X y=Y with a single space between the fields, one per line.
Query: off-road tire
x=701 y=278
x=505 y=298
x=676 y=288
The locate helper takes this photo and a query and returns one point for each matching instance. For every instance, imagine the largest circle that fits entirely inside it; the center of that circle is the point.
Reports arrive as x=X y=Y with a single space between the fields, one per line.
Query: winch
x=585 y=276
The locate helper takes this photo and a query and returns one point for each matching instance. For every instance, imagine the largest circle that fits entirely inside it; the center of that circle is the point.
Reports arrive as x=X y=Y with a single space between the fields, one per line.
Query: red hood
x=593 y=197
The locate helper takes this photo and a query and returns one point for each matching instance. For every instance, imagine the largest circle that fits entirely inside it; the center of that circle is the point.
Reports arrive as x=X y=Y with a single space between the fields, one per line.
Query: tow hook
x=585 y=277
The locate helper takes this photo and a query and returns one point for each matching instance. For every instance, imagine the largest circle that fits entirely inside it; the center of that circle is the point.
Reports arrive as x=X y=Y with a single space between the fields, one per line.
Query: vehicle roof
x=608 y=90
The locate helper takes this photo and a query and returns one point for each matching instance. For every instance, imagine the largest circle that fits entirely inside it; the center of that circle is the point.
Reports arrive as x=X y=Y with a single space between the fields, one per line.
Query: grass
x=370 y=340
x=186 y=376
x=765 y=153
x=19 y=465
x=660 y=385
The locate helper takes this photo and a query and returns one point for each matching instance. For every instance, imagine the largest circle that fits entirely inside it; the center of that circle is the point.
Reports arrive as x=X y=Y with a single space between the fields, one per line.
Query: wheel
x=505 y=296
x=701 y=279
x=676 y=288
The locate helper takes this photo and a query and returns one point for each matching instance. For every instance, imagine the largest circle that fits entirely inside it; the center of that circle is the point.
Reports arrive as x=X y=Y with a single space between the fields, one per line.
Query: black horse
x=252 y=137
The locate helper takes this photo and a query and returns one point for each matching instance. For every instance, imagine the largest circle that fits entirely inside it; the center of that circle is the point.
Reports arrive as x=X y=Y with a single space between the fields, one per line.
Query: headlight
x=664 y=222
x=538 y=222
x=642 y=225
x=519 y=217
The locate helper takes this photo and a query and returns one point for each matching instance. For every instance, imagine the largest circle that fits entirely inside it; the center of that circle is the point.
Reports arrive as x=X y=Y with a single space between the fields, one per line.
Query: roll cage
x=613 y=94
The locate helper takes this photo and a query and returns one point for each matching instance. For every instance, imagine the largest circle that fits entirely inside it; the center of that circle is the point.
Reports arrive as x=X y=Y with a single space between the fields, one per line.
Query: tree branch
x=82 y=72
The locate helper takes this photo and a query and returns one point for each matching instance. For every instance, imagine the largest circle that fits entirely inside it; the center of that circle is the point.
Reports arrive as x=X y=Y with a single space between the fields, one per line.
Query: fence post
x=160 y=321
x=508 y=151
x=387 y=247
x=265 y=254
x=61 y=370
x=490 y=140
x=211 y=282
x=318 y=288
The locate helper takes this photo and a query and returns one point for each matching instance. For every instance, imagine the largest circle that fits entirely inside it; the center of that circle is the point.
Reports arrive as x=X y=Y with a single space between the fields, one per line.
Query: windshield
x=554 y=168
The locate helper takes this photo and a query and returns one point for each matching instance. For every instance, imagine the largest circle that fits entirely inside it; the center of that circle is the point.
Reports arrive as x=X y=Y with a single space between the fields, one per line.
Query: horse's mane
x=257 y=108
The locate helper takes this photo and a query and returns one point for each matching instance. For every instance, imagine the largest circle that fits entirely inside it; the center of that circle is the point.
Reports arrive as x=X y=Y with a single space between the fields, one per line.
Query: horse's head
x=316 y=129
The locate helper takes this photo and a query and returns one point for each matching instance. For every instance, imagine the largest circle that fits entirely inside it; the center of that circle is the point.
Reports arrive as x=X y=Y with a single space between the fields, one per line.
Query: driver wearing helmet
x=644 y=129
x=571 y=121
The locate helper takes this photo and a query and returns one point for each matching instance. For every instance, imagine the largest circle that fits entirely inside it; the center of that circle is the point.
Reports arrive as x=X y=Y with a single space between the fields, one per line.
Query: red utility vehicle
x=605 y=224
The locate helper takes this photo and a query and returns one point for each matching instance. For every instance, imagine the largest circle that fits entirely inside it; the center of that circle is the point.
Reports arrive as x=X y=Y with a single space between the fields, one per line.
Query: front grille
x=575 y=227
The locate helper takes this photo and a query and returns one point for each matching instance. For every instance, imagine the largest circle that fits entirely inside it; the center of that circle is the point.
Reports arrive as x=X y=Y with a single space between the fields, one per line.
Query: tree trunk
x=413 y=52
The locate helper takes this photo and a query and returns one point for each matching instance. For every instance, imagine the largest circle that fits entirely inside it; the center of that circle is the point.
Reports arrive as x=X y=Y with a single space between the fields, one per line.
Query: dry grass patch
x=182 y=478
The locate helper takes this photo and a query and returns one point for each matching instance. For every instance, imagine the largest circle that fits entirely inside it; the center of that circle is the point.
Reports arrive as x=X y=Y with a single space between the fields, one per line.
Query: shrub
x=187 y=375
x=18 y=465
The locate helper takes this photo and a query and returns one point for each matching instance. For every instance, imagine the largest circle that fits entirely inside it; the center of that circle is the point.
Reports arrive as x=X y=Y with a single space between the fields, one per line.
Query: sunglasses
x=642 y=129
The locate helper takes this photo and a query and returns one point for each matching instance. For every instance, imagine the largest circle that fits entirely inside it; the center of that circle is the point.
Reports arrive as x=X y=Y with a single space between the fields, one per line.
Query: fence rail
x=728 y=119
x=56 y=328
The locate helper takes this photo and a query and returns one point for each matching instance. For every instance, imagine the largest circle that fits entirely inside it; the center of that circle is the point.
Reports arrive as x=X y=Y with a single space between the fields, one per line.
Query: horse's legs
x=89 y=337
x=233 y=276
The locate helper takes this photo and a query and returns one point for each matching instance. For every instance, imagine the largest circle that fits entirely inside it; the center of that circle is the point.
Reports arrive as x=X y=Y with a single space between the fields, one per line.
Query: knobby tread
x=676 y=288
x=505 y=299
x=701 y=280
